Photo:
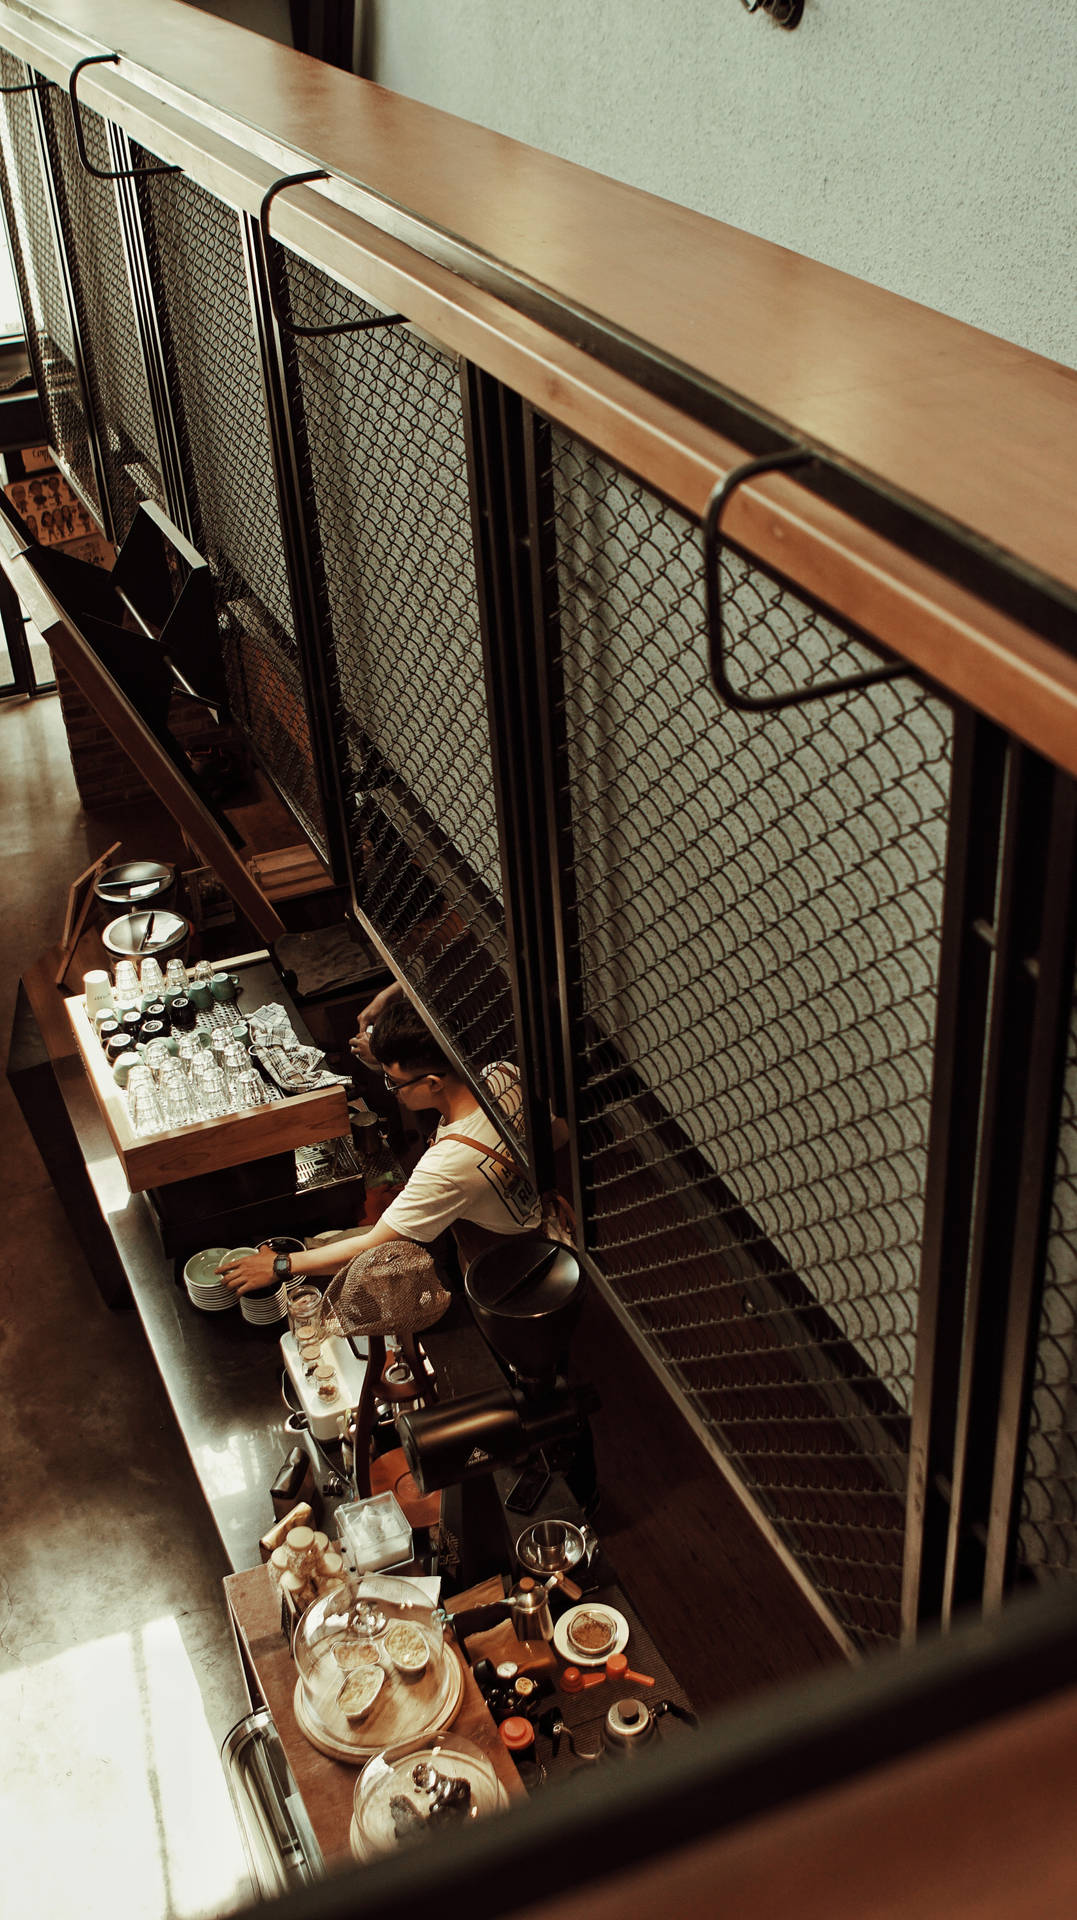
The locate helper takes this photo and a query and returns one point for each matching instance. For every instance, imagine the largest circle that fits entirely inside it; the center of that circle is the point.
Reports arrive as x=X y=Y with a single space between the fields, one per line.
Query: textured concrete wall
x=928 y=148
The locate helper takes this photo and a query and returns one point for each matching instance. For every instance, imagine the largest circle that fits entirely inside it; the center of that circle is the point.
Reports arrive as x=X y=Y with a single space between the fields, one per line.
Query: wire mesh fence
x=50 y=340
x=383 y=419
x=199 y=278
x=1047 y=1536
x=758 y=902
x=118 y=390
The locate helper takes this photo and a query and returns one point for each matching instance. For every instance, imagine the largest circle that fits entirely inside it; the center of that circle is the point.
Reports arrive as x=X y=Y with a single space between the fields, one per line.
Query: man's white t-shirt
x=456 y=1182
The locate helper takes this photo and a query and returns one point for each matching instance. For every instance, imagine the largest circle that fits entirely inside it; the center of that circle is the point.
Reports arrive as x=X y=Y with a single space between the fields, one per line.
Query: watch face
x=282 y=1266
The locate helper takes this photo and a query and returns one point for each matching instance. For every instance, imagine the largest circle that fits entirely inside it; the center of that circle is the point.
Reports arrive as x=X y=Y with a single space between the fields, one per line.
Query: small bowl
x=359 y=1690
x=592 y=1632
x=408 y=1649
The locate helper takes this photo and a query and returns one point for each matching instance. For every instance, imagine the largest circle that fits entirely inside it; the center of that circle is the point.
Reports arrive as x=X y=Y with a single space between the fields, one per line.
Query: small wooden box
x=155 y=1160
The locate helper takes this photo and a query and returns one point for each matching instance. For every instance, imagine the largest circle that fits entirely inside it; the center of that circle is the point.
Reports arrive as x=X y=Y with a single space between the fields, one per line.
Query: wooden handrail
x=513 y=257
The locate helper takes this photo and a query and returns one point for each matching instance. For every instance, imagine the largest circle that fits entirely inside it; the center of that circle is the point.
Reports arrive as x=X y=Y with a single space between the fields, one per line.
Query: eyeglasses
x=397 y=1086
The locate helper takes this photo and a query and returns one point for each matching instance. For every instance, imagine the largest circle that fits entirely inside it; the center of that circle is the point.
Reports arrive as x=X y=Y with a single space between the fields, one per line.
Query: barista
x=465 y=1180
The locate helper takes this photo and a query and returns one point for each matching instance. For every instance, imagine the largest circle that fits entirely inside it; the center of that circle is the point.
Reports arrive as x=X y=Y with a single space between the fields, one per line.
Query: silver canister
x=529 y=1610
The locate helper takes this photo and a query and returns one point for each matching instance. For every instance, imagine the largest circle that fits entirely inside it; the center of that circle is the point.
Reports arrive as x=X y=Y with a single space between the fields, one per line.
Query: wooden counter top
x=327 y=1786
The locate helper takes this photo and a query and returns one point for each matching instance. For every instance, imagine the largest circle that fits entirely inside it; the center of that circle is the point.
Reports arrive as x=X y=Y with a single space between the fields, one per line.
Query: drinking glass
x=248 y=1090
x=144 y=1106
x=188 y=1051
x=125 y=988
x=211 y=1090
x=177 y=1100
x=154 y=1055
x=152 y=979
x=176 y=974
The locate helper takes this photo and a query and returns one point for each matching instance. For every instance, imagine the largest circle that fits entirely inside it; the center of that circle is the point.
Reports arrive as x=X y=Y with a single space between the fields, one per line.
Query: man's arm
x=360 y=1040
x=256 y=1269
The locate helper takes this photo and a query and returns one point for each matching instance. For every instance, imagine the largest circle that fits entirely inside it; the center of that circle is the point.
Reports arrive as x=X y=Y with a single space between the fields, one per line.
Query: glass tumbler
x=125 y=988
x=214 y=1098
x=305 y=1322
x=152 y=979
x=144 y=1107
x=176 y=1096
x=248 y=1091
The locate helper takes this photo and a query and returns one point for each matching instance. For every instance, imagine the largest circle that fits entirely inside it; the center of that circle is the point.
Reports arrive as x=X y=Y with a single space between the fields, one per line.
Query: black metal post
x=151 y=343
x=965 y=968
x=301 y=542
x=42 y=106
x=1049 y=964
x=496 y=434
x=562 y=990
x=1025 y=1039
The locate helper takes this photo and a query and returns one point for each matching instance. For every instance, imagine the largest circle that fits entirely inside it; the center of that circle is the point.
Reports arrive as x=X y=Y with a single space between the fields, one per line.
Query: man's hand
x=360 y=1041
x=243 y=1276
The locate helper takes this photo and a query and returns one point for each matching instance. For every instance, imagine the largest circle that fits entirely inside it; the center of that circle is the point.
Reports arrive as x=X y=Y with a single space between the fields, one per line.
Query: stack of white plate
x=267 y=1305
x=204 y=1288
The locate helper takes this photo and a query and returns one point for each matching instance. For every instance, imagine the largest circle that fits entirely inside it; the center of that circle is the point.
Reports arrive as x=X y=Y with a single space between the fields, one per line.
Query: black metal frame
x=148 y=323
x=1009 y=920
x=280 y=320
x=788 y=462
x=302 y=546
x=51 y=191
x=101 y=173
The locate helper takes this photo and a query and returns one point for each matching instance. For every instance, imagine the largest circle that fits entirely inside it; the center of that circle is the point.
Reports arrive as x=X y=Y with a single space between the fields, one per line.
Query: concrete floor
x=118 y=1675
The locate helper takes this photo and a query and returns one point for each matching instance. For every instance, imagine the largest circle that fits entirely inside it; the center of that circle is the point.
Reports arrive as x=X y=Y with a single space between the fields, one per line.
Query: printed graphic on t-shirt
x=515 y=1193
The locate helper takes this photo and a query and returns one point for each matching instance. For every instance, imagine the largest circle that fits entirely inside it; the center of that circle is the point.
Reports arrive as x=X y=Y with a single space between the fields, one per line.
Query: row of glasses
x=166 y=1090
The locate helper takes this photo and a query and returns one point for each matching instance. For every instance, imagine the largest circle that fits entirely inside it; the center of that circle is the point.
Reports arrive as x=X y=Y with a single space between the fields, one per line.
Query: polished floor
x=118 y=1675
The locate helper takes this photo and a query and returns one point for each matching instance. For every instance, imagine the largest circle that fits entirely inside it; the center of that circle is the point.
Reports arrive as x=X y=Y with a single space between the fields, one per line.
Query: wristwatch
x=282 y=1267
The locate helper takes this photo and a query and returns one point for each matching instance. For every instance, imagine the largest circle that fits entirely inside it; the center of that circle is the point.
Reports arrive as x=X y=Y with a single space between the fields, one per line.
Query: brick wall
x=105 y=774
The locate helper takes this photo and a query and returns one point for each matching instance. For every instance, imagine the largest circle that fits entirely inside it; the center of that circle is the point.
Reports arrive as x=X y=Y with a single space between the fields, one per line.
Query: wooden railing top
x=558 y=280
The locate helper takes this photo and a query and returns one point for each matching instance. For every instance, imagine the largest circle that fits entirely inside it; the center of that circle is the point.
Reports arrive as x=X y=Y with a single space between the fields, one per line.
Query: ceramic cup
x=98 y=993
x=224 y=986
x=199 y=995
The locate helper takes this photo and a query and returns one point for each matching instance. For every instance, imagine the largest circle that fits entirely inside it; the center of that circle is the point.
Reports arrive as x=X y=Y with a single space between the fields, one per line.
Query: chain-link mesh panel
x=384 y=421
x=758 y=910
x=49 y=336
x=112 y=354
x=1047 y=1538
x=201 y=292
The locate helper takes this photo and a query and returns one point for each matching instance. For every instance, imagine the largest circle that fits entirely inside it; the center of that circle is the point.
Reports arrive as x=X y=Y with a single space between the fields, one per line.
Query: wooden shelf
x=156 y=1160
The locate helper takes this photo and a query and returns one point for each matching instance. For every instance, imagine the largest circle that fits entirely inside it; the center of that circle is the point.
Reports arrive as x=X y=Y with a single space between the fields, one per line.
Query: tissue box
x=375 y=1533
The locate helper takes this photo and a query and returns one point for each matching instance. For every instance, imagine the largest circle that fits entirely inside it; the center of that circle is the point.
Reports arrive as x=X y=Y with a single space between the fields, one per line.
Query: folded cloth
x=393 y=1288
x=294 y=1067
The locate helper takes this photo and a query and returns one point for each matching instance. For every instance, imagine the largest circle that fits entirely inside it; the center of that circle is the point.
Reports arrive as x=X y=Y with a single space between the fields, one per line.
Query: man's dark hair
x=401 y=1038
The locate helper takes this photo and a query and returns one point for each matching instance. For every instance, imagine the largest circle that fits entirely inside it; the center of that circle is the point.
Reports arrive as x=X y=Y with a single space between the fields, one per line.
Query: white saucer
x=565 y=1648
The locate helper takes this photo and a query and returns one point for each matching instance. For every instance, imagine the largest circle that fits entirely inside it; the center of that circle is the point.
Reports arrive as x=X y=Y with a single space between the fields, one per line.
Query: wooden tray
x=155 y=1160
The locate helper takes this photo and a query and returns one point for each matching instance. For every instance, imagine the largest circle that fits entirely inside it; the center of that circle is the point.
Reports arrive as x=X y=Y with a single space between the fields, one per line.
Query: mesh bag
x=388 y=1289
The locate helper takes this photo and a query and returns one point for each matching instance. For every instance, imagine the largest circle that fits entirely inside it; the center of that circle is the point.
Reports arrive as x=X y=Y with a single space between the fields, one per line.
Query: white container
x=375 y=1533
x=98 y=991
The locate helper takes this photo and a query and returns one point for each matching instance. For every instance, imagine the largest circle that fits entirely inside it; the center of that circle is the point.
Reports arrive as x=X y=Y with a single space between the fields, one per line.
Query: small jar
x=518 y=1735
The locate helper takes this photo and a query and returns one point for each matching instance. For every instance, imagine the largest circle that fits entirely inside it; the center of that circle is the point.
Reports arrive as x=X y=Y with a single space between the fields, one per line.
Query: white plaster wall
x=926 y=145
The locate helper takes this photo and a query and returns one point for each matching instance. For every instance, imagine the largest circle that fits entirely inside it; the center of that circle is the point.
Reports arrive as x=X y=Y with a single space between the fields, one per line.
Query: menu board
x=52 y=512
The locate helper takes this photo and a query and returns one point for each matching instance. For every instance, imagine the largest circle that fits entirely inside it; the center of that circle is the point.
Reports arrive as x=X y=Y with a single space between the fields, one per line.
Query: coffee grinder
x=525 y=1296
